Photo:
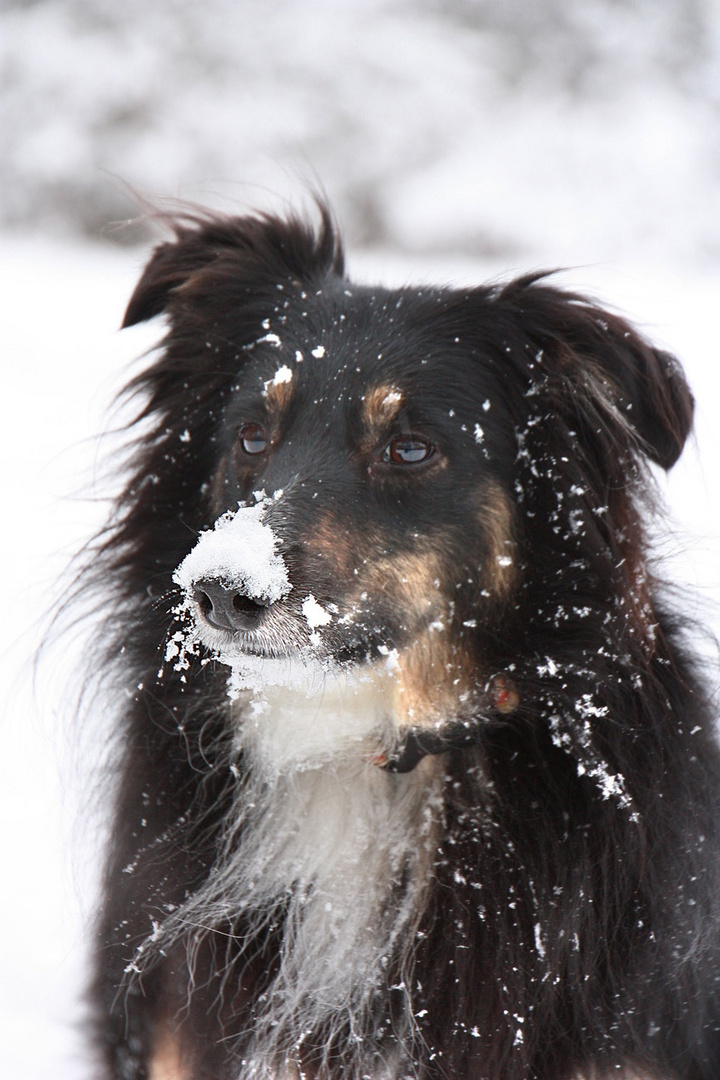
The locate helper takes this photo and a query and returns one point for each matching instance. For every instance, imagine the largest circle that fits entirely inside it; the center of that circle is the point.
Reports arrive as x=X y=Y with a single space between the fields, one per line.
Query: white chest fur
x=344 y=846
x=296 y=716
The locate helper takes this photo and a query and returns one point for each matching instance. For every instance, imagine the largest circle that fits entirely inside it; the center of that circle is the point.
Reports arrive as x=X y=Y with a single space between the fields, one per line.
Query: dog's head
x=423 y=476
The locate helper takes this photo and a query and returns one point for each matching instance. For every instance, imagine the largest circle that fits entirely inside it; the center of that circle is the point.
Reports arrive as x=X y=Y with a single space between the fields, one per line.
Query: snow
x=240 y=551
x=282 y=375
x=621 y=185
x=61 y=366
x=315 y=614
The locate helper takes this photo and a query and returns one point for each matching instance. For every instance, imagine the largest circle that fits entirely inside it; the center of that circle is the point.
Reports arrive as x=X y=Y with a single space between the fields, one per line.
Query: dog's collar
x=502 y=697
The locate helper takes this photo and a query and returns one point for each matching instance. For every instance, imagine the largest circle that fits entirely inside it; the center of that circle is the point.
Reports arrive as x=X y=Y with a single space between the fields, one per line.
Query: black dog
x=417 y=777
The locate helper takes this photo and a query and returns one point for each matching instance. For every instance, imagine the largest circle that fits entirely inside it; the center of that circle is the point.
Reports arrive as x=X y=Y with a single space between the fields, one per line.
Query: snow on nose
x=240 y=552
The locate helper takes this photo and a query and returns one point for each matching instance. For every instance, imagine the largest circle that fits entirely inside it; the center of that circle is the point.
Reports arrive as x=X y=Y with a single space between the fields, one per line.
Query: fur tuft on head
x=212 y=253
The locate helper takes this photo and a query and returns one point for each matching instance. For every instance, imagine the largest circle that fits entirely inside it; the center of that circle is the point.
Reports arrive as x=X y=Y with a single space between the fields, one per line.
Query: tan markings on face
x=381 y=406
x=411 y=581
x=496 y=518
x=435 y=681
x=166 y=1060
x=334 y=545
x=278 y=390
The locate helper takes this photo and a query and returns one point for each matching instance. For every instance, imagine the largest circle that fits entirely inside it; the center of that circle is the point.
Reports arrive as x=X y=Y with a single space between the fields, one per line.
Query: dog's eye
x=408 y=450
x=253 y=439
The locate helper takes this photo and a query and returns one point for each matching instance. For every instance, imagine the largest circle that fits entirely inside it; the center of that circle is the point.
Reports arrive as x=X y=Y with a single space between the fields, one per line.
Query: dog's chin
x=286 y=655
x=288 y=638
x=305 y=711
x=261 y=660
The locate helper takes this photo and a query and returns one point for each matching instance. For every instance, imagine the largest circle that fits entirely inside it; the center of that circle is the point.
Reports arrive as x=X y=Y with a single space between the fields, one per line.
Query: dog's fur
x=457 y=812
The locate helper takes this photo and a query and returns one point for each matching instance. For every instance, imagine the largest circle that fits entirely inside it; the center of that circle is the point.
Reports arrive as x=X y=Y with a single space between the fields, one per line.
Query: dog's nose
x=226 y=607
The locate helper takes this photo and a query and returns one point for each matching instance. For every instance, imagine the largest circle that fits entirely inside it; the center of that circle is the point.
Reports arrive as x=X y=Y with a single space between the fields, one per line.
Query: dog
x=416 y=770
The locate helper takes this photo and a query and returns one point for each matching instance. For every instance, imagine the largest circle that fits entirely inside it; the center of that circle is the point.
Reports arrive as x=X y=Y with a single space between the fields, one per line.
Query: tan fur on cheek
x=434 y=679
x=334 y=545
x=496 y=518
x=411 y=581
x=166 y=1061
x=435 y=682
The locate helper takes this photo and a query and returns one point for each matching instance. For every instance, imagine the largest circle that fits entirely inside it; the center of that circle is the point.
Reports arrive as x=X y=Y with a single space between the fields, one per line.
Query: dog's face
x=368 y=443
x=436 y=479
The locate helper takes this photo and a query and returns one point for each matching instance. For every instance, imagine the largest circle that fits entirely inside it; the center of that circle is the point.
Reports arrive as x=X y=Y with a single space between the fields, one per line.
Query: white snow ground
x=62 y=362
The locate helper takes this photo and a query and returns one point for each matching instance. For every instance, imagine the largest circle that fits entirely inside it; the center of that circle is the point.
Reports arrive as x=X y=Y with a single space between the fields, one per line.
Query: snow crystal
x=315 y=613
x=282 y=375
x=548 y=668
x=479 y=434
x=240 y=551
x=578 y=740
x=392 y=658
x=260 y=674
x=271 y=339
x=318 y=352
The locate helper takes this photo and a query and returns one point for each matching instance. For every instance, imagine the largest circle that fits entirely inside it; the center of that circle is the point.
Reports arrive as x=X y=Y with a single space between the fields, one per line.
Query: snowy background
x=457 y=140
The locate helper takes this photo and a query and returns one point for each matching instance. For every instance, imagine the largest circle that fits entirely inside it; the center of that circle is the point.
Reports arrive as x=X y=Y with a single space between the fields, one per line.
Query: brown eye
x=253 y=439
x=408 y=450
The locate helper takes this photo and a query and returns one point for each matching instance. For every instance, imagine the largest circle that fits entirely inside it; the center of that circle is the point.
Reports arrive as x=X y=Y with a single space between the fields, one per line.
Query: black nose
x=226 y=607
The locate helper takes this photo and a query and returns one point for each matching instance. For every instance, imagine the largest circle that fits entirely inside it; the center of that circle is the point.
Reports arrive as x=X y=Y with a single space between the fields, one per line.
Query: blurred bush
x=491 y=126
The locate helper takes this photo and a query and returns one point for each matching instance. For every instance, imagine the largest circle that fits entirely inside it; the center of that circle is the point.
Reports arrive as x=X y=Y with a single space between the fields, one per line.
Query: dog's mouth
x=232 y=625
x=270 y=648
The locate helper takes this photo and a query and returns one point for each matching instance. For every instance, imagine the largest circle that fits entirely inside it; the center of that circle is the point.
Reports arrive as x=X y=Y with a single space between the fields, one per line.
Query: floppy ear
x=174 y=263
x=211 y=251
x=645 y=385
x=653 y=389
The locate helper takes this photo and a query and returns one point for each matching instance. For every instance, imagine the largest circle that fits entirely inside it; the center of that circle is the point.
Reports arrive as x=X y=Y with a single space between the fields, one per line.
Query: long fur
x=452 y=809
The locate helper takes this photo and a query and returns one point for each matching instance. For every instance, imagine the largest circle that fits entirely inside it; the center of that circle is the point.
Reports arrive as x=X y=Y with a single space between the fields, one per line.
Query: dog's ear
x=168 y=268
x=660 y=405
x=174 y=263
x=211 y=250
x=595 y=348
